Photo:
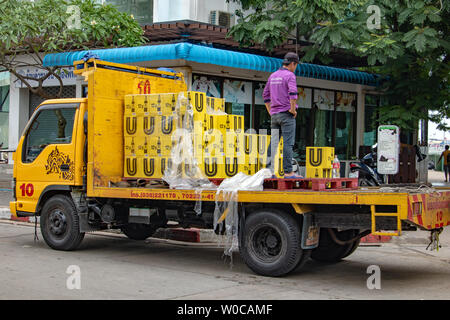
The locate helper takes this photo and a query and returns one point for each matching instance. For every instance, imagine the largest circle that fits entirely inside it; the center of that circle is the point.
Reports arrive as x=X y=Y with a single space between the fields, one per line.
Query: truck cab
x=49 y=156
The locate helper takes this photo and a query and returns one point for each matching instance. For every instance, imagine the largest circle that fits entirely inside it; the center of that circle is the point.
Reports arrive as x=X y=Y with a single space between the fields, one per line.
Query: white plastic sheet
x=226 y=212
x=226 y=218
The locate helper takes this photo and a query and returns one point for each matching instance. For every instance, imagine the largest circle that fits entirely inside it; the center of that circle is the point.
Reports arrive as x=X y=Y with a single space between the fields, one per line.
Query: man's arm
x=266 y=96
x=293 y=109
x=268 y=107
x=442 y=154
x=293 y=94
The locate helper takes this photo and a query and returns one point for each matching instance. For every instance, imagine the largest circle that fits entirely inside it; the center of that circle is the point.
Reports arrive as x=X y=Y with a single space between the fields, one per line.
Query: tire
x=60 y=225
x=331 y=252
x=138 y=231
x=364 y=182
x=271 y=243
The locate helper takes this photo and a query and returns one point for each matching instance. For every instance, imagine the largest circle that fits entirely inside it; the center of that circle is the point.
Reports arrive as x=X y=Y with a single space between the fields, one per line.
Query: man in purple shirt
x=280 y=98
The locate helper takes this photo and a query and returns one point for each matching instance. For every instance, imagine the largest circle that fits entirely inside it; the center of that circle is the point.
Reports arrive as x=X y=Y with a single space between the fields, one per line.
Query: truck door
x=46 y=154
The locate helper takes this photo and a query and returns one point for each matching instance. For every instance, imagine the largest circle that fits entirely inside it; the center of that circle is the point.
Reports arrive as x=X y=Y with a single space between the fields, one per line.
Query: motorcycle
x=366 y=169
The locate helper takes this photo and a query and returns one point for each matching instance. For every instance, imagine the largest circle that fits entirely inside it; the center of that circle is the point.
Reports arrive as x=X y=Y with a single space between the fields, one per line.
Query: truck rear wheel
x=271 y=243
x=138 y=231
x=329 y=251
x=60 y=224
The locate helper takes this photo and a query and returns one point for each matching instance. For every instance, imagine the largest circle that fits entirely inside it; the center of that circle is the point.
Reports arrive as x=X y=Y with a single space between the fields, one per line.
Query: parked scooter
x=366 y=169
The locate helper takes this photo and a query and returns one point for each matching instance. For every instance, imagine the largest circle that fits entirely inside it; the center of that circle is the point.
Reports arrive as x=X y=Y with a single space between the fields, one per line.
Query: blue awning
x=209 y=55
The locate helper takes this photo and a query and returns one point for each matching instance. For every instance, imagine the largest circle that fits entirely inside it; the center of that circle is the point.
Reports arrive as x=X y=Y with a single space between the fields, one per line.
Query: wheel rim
x=267 y=243
x=57 y=223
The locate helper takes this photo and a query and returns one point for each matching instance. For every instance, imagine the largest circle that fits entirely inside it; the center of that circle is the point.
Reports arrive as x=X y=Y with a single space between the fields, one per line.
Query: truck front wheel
x=138 y=231
x=271 y=243
x=60 y=225
x=330 y=251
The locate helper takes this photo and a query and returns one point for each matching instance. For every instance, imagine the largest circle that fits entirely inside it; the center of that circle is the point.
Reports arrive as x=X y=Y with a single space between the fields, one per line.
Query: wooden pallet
x=314 y=184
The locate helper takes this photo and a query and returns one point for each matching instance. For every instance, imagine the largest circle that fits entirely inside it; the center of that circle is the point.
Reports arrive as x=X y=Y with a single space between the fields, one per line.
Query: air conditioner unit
x=221 y=18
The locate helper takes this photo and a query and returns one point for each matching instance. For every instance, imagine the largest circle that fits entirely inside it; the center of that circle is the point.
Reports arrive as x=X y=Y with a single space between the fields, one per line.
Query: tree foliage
x=33 y=29
x=411 y=46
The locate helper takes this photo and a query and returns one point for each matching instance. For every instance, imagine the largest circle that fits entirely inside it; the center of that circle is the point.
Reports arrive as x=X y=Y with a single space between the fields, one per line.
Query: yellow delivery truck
x=81 y=166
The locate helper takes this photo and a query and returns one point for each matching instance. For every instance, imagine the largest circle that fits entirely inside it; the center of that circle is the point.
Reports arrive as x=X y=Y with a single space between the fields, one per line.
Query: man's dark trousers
x=284 y=122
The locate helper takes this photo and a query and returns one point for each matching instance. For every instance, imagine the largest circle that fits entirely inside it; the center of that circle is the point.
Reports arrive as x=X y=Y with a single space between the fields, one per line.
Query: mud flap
x=310 y=232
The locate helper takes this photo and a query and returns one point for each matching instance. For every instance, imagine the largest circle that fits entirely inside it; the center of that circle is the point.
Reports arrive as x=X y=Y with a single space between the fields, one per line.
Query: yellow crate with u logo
x=319 y=162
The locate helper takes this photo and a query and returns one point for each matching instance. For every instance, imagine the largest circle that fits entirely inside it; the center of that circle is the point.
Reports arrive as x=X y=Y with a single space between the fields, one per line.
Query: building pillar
x=360 y=114
x=18 y=114
x=187 y=74
x=79 y=88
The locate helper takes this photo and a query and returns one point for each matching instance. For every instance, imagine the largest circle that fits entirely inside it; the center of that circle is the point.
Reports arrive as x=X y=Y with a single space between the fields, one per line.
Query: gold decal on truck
x=60 y=163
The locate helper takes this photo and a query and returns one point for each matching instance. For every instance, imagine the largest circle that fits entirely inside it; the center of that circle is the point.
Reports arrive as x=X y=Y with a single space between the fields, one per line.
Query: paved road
x=113 y=267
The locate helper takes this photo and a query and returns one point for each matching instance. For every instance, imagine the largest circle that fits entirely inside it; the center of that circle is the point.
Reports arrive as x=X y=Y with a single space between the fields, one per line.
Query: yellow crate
x=213 y=144
x=130 y=105
x=131 y=125
x=234 y=144
x=166 y=144
x=319 y=162
x=130 y=167
x=139 y=146
x=231 y=166
x=197 y=100
x=278 y=160
x=149 y=167
x=250 y=144
x=213 y=167
x=156 y=125
x=263 y=144
x=198 y=144
x=218 y=122
x=144 y=146
x=164 y=163
x=236 y=123
x=200 y=122
x=152 y=167
x=215 y=104
x=151 y=126
x=249 y=167
x=130 y=146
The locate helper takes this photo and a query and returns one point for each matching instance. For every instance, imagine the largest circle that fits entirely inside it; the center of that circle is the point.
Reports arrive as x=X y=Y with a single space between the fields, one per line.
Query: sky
x=433 y=133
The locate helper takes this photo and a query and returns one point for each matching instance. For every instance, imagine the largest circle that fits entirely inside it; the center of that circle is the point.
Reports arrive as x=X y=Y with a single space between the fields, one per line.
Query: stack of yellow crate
x=220 y=146
x=319 y=162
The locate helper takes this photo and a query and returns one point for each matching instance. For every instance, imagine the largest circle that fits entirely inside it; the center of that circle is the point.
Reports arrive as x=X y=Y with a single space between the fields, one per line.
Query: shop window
x=304 y=126
x=212 y=86
x=345 y=125
x=142 y=10
x=261 y=119
x=370 y=119
x=323 y=118
x=238 y=98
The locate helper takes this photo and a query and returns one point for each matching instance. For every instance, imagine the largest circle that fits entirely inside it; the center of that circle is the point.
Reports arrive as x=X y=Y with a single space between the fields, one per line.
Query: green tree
x=410 y=48
x=33 y=29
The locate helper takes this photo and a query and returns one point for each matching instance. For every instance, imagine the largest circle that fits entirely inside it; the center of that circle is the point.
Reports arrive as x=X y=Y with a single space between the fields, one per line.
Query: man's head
x=446 y=147
x=291 y=61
